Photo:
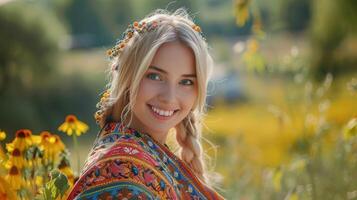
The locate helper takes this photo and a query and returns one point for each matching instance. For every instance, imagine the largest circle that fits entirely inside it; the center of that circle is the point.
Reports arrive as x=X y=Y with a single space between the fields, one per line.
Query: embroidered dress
x=126 y=164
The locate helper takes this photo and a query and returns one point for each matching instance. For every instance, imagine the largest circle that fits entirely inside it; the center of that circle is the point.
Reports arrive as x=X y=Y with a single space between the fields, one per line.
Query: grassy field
x=278 y=128
x=288 y=137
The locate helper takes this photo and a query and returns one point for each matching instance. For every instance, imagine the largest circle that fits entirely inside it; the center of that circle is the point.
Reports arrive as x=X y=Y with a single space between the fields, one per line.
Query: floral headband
x=139 y=27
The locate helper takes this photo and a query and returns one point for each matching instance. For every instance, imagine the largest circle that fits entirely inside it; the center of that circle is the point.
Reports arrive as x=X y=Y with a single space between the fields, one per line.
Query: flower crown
x=99 y=114
x=139 y=27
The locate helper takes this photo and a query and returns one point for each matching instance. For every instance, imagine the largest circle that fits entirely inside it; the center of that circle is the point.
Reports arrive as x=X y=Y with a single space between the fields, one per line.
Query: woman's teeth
x=166 y=113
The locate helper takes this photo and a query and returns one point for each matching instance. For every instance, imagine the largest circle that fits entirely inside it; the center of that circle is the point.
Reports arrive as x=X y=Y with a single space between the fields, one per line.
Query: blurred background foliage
x=283 y=95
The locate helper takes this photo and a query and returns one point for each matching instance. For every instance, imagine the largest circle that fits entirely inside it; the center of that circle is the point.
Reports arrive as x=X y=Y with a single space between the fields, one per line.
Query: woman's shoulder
x=124 y=162
x=121 y=166
x=122 y=178
x=116 y=142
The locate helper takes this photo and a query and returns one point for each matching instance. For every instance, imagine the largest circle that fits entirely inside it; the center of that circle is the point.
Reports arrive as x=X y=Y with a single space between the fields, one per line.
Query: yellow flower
x=66 y=170
x=253 y=45
x=22 y=140
x=2 y=154
x=5 y=192
x=242 y=11
x=52 y=146
x=16 y=158
x=47 y=146
x=39 y=181
x=252 y=57
x=60 y=147
x=72 y=124
x=14 y=178
x=2 y=135
x=36 y=139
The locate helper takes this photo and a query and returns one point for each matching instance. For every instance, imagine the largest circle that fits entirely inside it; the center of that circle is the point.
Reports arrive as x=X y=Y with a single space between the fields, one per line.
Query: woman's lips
x=160 y=117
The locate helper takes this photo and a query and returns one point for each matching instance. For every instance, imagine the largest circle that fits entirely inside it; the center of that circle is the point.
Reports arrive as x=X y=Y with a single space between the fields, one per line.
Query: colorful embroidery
x=127 y=164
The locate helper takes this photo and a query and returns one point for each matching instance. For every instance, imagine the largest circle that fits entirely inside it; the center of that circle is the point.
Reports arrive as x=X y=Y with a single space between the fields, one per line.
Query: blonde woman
x=157 y=87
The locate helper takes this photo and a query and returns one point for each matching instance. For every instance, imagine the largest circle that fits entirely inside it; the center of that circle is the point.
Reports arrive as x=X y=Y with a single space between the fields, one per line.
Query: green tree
x=332 y=23
x=95 y=23
x=28 y=45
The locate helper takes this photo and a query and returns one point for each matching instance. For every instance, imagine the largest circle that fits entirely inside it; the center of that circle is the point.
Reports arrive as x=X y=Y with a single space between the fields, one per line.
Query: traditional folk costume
x=127 y=164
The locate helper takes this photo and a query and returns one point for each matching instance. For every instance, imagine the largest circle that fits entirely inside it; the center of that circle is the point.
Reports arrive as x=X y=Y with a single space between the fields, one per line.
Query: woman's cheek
x=188 y=96
x=149 y=88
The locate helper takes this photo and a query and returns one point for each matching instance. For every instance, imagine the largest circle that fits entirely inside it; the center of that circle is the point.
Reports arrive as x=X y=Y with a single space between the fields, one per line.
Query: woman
x=158 y=85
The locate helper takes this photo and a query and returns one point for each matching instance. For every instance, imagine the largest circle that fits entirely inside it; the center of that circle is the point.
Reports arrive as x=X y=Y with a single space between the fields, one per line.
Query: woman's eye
x=153 y=76
x=187 y=82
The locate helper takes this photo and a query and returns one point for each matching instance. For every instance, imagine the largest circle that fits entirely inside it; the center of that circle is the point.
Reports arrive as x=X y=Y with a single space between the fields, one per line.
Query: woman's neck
x=159 y=137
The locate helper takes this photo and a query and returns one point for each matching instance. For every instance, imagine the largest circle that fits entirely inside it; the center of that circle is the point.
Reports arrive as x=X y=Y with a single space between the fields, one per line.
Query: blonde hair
x=133 y=62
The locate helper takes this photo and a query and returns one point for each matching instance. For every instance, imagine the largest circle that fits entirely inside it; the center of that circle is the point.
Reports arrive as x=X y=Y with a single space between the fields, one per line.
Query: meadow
x=288 y=137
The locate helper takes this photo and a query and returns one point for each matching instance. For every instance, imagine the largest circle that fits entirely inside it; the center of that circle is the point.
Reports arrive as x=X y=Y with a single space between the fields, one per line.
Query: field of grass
x=284 y=127
x=290 y=138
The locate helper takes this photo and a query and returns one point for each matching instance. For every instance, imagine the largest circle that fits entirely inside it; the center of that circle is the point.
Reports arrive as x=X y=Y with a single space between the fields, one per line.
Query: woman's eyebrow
x=165 y=72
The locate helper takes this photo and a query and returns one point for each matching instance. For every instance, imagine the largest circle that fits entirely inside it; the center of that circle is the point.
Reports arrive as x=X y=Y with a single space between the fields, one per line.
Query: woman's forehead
x=175 y=57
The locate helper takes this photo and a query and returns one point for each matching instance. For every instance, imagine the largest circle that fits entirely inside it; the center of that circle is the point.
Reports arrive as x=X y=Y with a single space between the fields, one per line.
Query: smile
x=162 y=113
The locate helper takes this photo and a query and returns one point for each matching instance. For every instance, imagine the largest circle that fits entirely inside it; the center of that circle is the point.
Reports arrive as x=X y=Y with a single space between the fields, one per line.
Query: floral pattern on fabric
x=126 y=164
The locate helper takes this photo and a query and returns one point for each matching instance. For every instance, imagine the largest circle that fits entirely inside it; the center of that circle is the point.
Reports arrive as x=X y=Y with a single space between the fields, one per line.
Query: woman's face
x=167 y=91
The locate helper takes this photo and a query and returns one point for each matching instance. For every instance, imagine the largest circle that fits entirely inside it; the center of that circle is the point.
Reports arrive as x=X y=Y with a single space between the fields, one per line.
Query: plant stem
x=77 y=150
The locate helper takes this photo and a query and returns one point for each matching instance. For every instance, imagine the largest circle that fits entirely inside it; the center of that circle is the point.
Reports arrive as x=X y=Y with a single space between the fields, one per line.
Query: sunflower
x=47 y=144
x=72 y=124
x=36 y=139
x=22 y=140
x=14 y=178
x=16 y=158
x=58 y=144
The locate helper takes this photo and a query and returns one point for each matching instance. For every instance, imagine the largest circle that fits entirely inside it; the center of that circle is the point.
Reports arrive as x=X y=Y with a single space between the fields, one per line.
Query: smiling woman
x=159 y=77
x=166 y=95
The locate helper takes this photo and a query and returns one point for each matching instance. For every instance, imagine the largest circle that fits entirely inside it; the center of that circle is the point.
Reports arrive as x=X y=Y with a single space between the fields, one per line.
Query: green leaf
x=57 y=185
x=61 y=183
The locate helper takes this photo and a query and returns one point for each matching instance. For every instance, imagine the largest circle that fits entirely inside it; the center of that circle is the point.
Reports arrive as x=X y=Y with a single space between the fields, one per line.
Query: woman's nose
x=168 y=94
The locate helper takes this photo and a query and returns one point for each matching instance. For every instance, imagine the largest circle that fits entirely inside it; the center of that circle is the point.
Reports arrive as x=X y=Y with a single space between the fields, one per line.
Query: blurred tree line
x=34 y=34
x=329 y=26
x=333 y=31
